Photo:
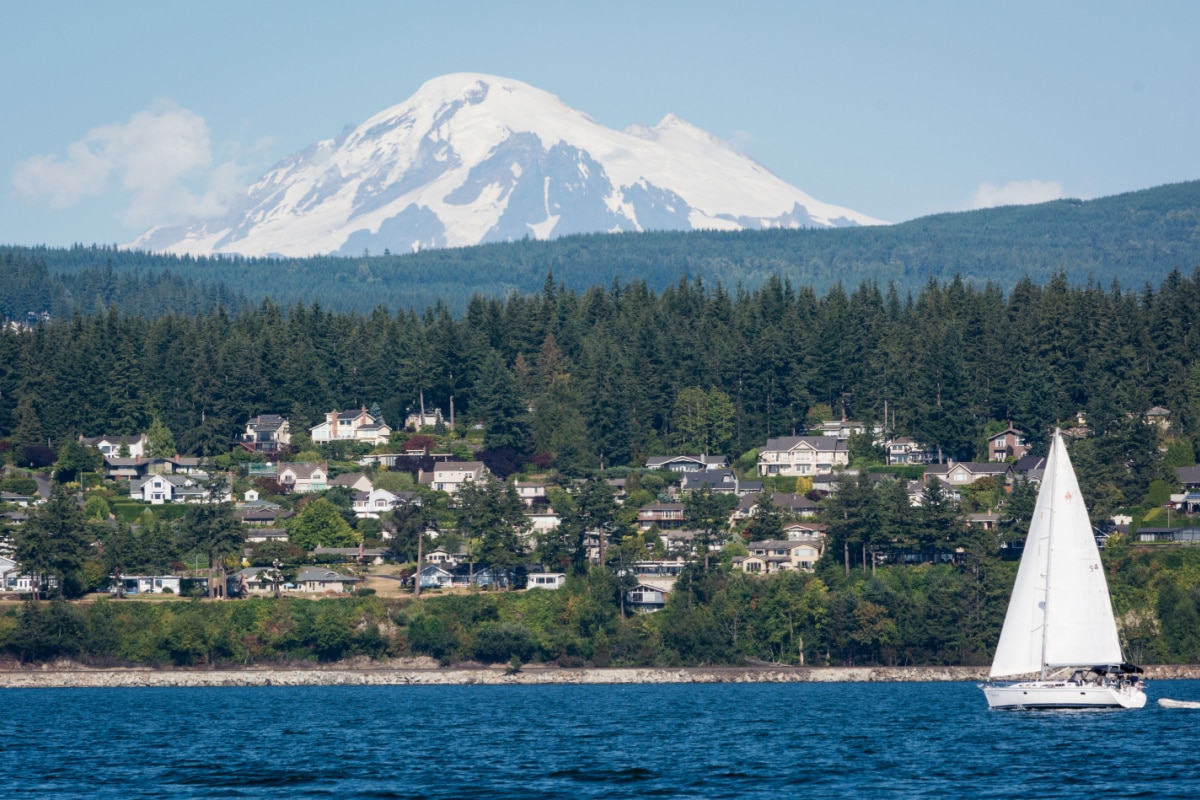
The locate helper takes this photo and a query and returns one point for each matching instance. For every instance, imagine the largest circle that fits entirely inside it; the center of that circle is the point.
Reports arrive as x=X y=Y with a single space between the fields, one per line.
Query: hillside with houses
x=772 y=476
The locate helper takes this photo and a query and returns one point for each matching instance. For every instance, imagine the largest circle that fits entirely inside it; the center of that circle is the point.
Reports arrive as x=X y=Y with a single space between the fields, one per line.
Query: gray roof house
x=687 y=463
x=720 y=481
x=320 y=579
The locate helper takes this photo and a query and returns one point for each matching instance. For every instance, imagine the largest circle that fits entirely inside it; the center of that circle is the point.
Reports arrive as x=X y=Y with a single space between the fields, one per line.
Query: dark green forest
x=28 y=287
x=1138 y=238
x=603 y=370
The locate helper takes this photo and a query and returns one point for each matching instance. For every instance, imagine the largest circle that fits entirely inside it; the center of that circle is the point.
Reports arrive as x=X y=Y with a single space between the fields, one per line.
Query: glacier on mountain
x=474 y=158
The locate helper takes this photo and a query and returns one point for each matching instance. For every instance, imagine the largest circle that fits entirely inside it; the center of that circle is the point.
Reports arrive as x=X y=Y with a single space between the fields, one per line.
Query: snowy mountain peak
x=473 y=158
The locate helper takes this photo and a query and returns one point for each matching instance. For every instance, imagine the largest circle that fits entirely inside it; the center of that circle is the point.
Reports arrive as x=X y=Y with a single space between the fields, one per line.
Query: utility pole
x=417 y=576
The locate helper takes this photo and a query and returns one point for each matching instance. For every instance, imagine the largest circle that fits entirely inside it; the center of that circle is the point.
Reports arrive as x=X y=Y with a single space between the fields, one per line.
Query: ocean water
x=916 y=740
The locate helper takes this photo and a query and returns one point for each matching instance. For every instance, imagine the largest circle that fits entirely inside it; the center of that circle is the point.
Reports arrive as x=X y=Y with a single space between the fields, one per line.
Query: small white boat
x=1165 y=703
x=1060 y=620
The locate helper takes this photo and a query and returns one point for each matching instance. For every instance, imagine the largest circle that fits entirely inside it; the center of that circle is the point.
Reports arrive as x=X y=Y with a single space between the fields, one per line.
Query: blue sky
x=121 y=115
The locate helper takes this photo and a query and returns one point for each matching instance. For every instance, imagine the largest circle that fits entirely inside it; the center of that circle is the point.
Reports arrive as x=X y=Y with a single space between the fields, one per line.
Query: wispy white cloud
x=741 y=139
x=161 y=158
x=1015 y=193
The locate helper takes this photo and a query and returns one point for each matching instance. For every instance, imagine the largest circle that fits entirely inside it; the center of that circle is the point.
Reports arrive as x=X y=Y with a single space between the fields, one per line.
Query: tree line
x=1138 y=236
x=927 y=615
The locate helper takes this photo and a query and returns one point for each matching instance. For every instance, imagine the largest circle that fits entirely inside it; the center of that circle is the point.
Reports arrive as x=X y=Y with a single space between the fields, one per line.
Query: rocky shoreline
x=59 y=676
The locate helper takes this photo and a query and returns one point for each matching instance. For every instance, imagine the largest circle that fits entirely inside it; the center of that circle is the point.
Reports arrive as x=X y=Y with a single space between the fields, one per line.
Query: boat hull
x=1063 y=694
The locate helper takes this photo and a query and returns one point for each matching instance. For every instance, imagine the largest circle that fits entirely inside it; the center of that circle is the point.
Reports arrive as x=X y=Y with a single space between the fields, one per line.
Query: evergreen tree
x=74 y=458
x=320 y=524
x=53 y=544
x=491 y=513
x=558 y=427
x=28 y=432
x=497 y=400
x=159 y=441
x=766 y=523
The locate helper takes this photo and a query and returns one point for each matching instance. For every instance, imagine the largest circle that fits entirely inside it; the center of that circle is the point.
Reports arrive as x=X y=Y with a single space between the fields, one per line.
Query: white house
x=962 y=473
x=430 y=419
x=805 y=531
x=257 y=535
x=17 y=581
x=906 y=450
x=369 y=505
x=148 y=584
x=301 y=478
x=449 y=476
x=803 y=455
x=542 y=521
x=7 y=565
x=844 y=429
x=159 y=489
x=439 y=556
x=351 y=426
x=266 y=433
x=545 y=580
x=110 y=446
x=256 y=580
x=530 y=492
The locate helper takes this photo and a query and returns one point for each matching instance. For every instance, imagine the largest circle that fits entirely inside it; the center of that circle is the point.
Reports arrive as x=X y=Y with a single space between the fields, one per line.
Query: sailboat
x=1060 y=622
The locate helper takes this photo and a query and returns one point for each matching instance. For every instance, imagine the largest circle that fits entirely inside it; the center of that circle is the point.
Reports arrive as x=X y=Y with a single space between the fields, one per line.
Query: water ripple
x=582 y=742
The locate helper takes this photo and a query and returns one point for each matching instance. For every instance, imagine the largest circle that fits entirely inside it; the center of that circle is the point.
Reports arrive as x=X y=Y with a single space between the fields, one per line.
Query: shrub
x=496 y=644
x=433 y=637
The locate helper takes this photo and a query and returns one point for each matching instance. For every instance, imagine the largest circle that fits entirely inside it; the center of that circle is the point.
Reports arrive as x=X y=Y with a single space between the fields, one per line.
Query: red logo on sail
x=1067 y=496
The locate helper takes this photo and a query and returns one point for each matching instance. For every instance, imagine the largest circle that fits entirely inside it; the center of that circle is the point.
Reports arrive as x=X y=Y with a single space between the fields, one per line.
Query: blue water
x=670 y=741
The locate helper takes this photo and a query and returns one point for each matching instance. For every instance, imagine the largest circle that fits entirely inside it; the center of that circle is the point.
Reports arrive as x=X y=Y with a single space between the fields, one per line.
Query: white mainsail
x=1060 y=613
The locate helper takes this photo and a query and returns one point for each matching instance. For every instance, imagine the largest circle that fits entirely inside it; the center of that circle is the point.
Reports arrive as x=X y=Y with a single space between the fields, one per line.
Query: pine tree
x=491 y=513
x=497 y=400
x=159 y=441
x=53 y=543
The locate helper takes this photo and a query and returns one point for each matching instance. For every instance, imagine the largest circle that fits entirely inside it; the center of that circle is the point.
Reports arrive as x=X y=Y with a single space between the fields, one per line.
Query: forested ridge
x=1138 y=237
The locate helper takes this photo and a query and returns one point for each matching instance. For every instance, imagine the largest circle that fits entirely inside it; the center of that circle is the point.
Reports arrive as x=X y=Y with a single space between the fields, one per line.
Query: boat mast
x=1049 y=548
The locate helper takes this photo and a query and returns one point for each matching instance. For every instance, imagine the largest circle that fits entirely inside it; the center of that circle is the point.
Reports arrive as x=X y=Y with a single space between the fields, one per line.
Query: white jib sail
x=1060 y=584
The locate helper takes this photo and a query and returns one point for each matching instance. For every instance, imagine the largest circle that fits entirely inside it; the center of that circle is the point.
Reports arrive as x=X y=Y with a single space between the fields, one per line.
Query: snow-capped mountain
x=474 y=158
